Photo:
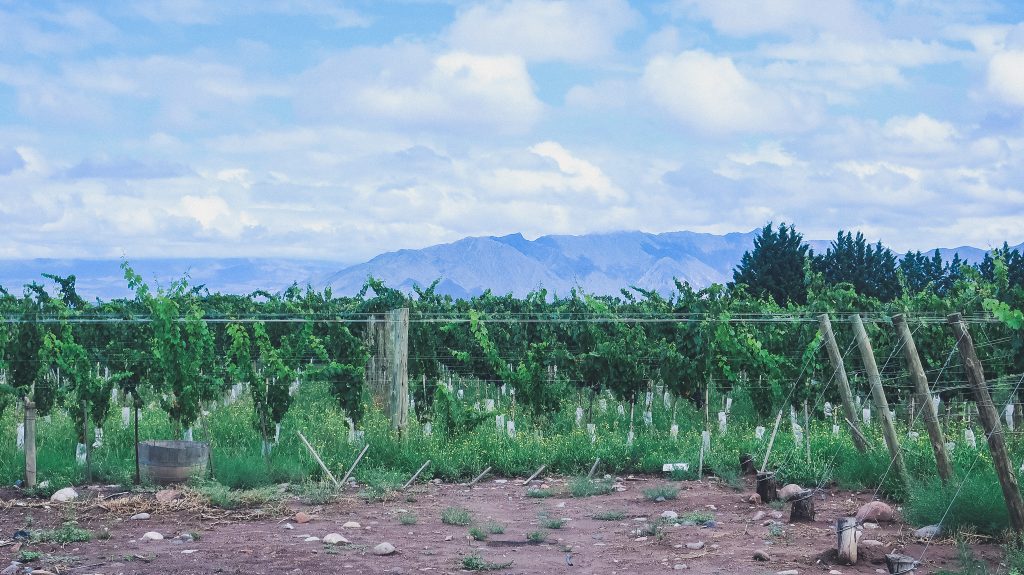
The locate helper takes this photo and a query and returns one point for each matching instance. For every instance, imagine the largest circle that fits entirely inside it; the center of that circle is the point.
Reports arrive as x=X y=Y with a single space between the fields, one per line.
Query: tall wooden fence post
x=990 y=420
x=878 y=395
x=924 y=397
x=825 y=324
x=30 y=444
x=398 y=367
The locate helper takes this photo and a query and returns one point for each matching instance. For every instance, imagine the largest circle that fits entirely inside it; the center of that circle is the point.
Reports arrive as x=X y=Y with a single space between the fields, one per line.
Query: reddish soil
x=232 y=543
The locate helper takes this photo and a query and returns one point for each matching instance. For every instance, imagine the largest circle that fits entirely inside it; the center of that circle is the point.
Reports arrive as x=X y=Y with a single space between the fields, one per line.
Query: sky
x=339 y=130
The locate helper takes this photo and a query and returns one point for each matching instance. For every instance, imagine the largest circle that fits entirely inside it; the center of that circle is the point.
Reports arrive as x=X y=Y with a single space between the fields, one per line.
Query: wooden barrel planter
x=166 y=462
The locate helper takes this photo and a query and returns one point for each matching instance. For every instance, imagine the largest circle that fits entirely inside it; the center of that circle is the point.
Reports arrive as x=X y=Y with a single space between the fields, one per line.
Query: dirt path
x=265 y=546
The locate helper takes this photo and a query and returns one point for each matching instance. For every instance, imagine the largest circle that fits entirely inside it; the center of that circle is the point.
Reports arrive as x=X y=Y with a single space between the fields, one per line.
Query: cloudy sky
x=335 y=130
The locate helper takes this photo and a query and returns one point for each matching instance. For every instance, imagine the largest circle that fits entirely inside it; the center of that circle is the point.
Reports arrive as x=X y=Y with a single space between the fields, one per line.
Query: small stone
x=152 y=536
x=188 y=551
x=140 y=516
x=289 y=526
x=660 y=499
x=760 y=555
x=788 y=572
x=875 y=511
x=789 y=491
x=447 y=537
x=776 y=514
x=835 y=572
x=928 y=532
x=501 y=481
x=11 y=569
x=351 y=525
x=870 y=525
x=185 y=537
x=334 y=539
x=669 y=515
x=167 y=495
x=680 y=566
x=871 y=543
x=384 y=548
x=64 y=495
x=311 y=539
x=640 y=539
x=303 y=517
x=755 y=499
x=695 y=546
x=759 y=516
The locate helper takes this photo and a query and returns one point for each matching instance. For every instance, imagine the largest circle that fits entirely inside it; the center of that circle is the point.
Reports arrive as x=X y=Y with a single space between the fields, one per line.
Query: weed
x=195 y=535
x=698 y=517
x=477 y=533
x=407 y=518
x=775 y=532
x=611 y=515
x=552 y=522
x=316 y=492
x=539 y=493
x=536 y=536
x=494 y=528
x=476 y=563
x=778 y=504
x=26 y=556
x=663 y=492
x=455 y=516
x=68 y=532
x=969 y=564
x=586 y=487
x=979 y=506
x=648 y=530
x=226 y=498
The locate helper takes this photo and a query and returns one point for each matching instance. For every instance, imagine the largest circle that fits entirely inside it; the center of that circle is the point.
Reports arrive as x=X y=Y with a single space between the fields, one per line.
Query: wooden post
x=878 y=394
x=593 y=468
x=354 y=463
x=479 y=477
x=398 y=367
x=85 y=435
x=30 y=444
x=316 y=456
x=924 y=395
x=825 y=325
x=747 y=464
x=766 y=487
x=803 y=506
x=415 y=475
x=846 y=532
x=535 y=474
x=700 y=466
x=135 y=409
x=807 y=434
x=771 y=441
x=990 y=420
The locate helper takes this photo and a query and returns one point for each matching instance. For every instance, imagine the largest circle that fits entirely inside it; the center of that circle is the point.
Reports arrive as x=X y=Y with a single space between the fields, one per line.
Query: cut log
x=747 y=464
x=803 y=507
x=900 y=564
x=766 y=486
x=846 y=545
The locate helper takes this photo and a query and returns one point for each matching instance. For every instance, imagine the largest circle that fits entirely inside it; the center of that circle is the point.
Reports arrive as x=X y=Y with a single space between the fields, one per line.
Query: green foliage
x=610 y=515
x=407 y=518
x=587 y=487
x=536 y=536
x=979 y=507
x=26 y=556
x=870 y=269
x=552 y=522
x=455 y=516
x=477 y=533
x=775 y=267
x=68 y=532
x=494 y=528
x=698 y=517
x=226 y=498
x=666 y=492
x=476 y=563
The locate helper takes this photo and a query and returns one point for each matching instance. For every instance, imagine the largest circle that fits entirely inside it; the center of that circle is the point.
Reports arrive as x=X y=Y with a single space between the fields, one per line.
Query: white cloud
x=409 y=85
x=787 y=17
x=581 y=175
x=770 y=153
x=1006 y=77
x=566 y=30
x=922 y=132
x=709 y=93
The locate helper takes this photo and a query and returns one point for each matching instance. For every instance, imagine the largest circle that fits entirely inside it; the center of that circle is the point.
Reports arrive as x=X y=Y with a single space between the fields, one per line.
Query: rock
x=835 y=572
x=447 y=537
x=140 y=516
x=64 y=495
x=185 y=537
x=384 y=548
x=288 y=526
x=311 y=539
x=167 y=495
x=660 y=499
x=871 y=543
x=695 y=546
x=669 y=515
x=351 y=525
x=680 y=566
x=152 y=536
x=760 y=555
x=11 y=569
x=334 y=539
x=788 y=572
x=790 y=491
x=777 y=514
x=759 y=516
x=755 y=499
x=875 y=511
x=870 y=525
x=41 y=572
x=928 y=532
x=303 y=517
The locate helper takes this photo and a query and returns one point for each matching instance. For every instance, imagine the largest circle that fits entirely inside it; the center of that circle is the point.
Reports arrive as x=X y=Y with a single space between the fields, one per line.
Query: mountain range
x=598 y=263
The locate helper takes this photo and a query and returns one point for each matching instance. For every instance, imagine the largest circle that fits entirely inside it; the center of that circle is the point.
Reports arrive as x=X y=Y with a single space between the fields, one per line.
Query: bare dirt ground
x=258 y=542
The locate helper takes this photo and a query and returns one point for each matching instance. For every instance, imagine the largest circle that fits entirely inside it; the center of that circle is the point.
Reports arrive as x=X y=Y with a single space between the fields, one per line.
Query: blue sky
x=334 y=130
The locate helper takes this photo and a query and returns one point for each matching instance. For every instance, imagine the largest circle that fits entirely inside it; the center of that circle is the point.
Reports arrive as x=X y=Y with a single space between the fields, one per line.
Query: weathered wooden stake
x=803 y=506
x=316 y=456
x=807 y=433
x=825 y=325
x=593 y=468
x=30 y=444
x=747 y=464
x=135 y=424
x=700 y=466
x=344 y=480
x=415 y=475
x=478 y=477
x=924 y=395
x=771 y=441
x=85 y=435
x=398 y=376
x=990 y=420
x=846 y=546
x=878 y=395
x=535 y=474
x=766 y=487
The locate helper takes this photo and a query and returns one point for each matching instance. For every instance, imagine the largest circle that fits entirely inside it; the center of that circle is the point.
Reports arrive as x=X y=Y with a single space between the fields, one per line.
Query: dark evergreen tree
x=923 y=273
x=775 y=267
x=870 y=269
x=1014 y=265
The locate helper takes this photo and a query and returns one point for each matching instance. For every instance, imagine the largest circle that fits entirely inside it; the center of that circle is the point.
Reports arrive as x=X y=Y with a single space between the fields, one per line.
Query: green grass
x=698 y=517
x=539 y=493
x=586 y=487
x=407 y=518
x=478 y=533
x=68 y=532
x=494 y=528
x=666 y=492
x=316 y=492
x=552 y=522
x=26 y=556
x=979 y=507
x=455 y=516
x=476 y=563
x=611 y=515
x=536 y=536
x=226 y=498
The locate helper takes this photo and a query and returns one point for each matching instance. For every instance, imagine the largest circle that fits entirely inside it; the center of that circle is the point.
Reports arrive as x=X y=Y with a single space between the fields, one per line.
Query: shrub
x=455 y=516
x=665 y=492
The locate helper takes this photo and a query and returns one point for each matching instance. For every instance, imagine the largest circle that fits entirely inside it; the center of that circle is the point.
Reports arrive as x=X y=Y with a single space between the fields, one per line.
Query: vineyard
x=824 y=390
